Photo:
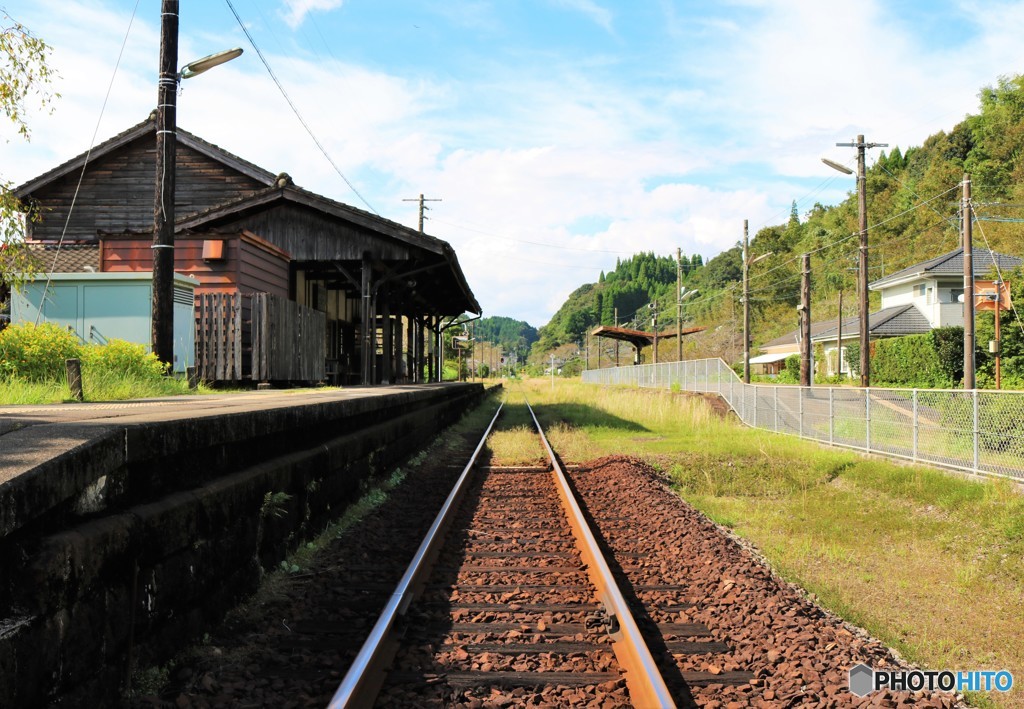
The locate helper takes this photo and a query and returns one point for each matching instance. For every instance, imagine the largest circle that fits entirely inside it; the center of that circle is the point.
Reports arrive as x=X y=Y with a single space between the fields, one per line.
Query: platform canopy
x=639 y=338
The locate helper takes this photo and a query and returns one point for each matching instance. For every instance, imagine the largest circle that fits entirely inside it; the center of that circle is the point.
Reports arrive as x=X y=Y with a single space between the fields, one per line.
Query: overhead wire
x=295 y=109
x=85 y=162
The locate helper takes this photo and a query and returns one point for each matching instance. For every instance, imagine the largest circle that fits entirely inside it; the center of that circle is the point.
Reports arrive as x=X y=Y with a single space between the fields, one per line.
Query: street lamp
x=862 y=212
x=162 y=315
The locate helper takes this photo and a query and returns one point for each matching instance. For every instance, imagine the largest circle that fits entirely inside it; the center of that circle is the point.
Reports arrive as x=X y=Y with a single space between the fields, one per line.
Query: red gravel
x=798 y=653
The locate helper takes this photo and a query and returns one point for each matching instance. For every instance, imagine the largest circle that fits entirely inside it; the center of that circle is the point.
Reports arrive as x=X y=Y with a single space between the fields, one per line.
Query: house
x=915 y=300
x=285 y=275
x=775 y=352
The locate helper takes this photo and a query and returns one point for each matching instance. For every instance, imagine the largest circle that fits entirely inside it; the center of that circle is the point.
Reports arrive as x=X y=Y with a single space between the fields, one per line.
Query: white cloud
x=729 y=127
x=296 y=10
x=599 y=15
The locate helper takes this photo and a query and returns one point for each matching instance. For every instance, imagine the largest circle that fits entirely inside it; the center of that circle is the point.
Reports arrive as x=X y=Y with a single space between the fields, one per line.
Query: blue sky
x=559 y=134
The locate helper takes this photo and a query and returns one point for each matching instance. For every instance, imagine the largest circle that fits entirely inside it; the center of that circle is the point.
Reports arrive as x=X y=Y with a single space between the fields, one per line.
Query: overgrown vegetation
x=32 y=368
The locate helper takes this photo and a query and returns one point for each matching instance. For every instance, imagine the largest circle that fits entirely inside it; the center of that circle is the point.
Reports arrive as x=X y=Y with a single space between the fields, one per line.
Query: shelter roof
x=285 y=192
x=639 y=338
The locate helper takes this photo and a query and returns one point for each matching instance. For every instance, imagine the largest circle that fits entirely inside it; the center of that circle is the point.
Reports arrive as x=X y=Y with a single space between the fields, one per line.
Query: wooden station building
x=293 y=285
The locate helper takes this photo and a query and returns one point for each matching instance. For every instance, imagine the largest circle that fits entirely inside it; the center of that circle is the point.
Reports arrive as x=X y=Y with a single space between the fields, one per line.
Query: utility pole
x=862 y=212
x=968 y=244
x=679 y=304
x=423 y=207
x=162 y=317
x=616 y=310
x=654 y=327
x=746 y=306
x=806 y=362
x=839 y=335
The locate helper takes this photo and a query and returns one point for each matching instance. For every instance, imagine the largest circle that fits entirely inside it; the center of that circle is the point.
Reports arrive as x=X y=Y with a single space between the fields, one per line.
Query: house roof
x=888 y=322
x=950 y=264
x=125 y=137
x=793 y=337
x=769 y=358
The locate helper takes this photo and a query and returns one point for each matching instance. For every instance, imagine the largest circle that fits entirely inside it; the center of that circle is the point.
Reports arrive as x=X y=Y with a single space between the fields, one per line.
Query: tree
x=25 y=78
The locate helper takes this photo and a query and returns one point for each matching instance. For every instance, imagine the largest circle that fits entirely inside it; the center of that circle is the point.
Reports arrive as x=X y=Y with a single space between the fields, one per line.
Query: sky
x=558 y=135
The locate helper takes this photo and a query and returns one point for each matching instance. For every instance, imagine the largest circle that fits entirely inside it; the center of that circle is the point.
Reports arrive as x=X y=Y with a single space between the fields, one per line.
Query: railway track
x=506 y=603
x=510 y=596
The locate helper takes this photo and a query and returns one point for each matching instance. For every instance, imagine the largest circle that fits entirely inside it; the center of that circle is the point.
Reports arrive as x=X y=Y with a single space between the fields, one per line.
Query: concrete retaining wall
x=176 y=526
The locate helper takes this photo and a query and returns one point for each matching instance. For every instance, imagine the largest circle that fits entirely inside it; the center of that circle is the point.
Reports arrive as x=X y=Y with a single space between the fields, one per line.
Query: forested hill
x=511 y=335
x=913 y=198
x=633 y=284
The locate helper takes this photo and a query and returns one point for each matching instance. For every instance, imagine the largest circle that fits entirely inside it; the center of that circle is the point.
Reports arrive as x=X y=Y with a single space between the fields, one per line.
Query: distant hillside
x=511 y=335
x=913 y=198
x=634 y=283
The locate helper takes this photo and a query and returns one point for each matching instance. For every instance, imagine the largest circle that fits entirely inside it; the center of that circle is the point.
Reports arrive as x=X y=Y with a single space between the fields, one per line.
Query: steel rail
x=363 y=679
x=643 y=679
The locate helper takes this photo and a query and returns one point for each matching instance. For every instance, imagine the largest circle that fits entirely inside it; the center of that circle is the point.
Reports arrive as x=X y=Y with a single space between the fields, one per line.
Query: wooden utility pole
x=806 y=362
x=679 y=305
x=654 y=328
x=862 y=281
x=839 y=336
x=746 y=306
x=999 y=338
x=423 y=207
x=616 y=311
x=968 y=244
x=162 y=316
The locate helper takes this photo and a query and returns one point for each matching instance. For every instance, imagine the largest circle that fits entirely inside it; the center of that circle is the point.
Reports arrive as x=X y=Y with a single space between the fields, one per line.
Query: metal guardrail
x=979 y=431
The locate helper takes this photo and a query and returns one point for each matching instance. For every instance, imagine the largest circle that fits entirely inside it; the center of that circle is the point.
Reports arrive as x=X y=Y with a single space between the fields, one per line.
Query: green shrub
x=948 y=343
x=852 y=358
x=792 y=368
x=36 y=353
x=125 y=358
x=908 y=361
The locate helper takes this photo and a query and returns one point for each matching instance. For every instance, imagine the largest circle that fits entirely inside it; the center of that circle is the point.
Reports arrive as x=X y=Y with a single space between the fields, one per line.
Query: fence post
x=754 y=387
x=775 y=389
x=707 y=367
x=916 y=423
x=831 y=416
x=800 y=395
x=977 y=449
x=867 y=420
x=73 y=367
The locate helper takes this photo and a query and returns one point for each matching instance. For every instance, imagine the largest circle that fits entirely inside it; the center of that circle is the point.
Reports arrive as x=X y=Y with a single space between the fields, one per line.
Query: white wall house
x=915 y=300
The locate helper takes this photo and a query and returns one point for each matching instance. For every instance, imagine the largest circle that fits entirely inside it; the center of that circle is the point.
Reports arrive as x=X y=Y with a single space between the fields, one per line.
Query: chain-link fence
x=978 y=431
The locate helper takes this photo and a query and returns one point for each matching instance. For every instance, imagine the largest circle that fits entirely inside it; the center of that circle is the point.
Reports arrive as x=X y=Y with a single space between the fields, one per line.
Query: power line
x=295 y=110
x=88 y=154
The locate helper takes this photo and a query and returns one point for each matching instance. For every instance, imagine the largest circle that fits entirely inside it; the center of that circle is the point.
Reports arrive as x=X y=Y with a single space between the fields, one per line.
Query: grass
x=930 y=563
x=98 y=386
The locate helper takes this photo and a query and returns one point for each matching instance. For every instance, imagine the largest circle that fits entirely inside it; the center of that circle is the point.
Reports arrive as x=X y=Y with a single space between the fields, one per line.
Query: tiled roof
x=889 y=322
x=69 y=258
x=952 y=264
x=793 y=337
